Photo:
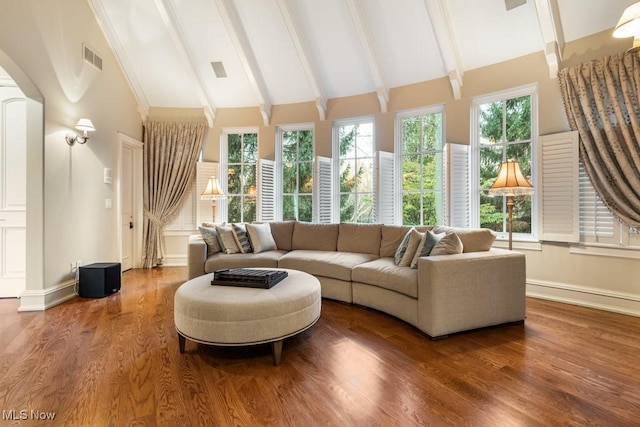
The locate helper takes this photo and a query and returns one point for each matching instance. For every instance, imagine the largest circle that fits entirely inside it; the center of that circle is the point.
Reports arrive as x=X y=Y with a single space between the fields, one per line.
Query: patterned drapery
x=601 y=99
x=171 y=151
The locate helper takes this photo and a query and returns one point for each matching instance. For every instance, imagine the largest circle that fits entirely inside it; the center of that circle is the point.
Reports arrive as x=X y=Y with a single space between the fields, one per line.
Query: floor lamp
x=510 y=182
x=212 y=192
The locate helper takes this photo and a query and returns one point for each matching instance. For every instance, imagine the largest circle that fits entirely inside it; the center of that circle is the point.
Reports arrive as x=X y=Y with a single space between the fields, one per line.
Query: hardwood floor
x=115 y=361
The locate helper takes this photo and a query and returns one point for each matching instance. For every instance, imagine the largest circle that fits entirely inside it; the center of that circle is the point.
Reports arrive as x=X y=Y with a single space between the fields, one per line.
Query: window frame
x=474 y=167
x=281 y=129
x=336 y=163
x=399 y=155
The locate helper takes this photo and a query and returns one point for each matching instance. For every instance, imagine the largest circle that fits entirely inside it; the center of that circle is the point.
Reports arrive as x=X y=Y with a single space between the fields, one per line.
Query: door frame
x=136 y=146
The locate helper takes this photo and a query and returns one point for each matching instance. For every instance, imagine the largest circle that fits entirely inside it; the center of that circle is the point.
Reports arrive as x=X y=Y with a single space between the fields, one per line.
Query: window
x=242 y=156
x=295 y=150
x=420 y=146
x=354 y=143
x=504 y=128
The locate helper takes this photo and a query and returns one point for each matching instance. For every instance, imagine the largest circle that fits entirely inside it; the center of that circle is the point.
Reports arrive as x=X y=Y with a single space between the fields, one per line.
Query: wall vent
x=91 y=57
x=218 y=69
x=512 y=4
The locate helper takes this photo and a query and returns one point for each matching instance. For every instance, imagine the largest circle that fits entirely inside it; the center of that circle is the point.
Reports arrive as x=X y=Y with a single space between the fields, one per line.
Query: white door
x=128 y=223
x=13 y=200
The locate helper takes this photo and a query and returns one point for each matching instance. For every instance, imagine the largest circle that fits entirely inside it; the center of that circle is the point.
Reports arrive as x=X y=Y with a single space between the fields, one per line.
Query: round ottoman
x=231 y=315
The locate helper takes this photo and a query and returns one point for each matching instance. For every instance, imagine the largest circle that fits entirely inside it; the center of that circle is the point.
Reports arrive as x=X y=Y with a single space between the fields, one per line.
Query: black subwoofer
x=99 y=280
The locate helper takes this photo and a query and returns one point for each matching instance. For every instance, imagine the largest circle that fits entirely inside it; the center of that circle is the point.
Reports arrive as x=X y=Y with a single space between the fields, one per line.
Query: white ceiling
x=289 y=51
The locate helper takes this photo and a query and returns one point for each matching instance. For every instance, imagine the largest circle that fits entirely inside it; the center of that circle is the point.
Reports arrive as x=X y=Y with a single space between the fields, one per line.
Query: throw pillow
x=210 y=237
x=227 y=239
x=402 y=248
x=260 y=237
x=414 y=241
x=242 y=240
x=427 y=243
x=448 y=245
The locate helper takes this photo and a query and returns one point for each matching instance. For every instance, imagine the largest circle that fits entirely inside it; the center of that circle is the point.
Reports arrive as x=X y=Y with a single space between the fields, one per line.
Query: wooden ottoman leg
x=276 y=348
x=181 y=342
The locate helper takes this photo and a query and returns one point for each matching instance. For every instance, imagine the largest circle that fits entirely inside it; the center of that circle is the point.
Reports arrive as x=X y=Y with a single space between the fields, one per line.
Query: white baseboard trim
x=617 y=302
x=174 y=261
x=40 y=300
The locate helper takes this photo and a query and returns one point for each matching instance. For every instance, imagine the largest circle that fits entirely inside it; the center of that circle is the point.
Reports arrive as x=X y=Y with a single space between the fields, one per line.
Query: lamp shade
x=213 y=190
x=629 y=23
x=85 y=125
x=510 y=181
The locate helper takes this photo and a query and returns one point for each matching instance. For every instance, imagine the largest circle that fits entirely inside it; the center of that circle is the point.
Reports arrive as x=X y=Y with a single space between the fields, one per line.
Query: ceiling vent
x=218 y=69
x=91 y=57
x=512 y=4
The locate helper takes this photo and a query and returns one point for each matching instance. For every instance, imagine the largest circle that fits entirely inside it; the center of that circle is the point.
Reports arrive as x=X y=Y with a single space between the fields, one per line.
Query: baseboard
x=40 y=300
x=617 y=302
x=174 y=261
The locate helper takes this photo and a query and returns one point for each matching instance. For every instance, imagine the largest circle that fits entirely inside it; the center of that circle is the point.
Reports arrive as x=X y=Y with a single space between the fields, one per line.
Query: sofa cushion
x=336 y=265
x=426 y=245
x=383 y=273
x=317 y=237
x=242 y=239
x=392 y=235
x=267 y=259
x=450 y=244
x=361 y=238
x=473 y=239
x=282 y=232
x=414 y=241
x=210 y=237
x=227 y=239
x=260 y=237
x=402 y=247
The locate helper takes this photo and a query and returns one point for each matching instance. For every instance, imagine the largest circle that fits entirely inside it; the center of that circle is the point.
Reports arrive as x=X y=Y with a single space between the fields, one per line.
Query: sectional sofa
x=445 y=294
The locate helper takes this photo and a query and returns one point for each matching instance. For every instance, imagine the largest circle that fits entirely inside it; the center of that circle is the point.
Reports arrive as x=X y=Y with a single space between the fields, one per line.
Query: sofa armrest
x=470 y=290
x=196 y=256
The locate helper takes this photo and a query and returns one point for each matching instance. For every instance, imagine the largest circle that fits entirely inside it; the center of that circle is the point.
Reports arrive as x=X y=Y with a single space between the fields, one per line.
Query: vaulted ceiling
x=289 y=51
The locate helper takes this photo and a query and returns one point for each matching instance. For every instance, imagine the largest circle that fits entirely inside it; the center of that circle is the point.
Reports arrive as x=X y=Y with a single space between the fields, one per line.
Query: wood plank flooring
x=115 y=361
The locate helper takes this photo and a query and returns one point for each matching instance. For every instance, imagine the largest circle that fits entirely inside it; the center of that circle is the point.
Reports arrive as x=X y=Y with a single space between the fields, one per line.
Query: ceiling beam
x=448 y=46
x=99 y=11
x=238 y=36
x=167 y=11
x=382 y=91
x=551 y=32
x=305 y=58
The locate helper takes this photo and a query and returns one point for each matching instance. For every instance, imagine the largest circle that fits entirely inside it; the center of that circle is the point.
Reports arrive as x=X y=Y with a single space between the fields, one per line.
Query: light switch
x=108 y=176
x=107 y=203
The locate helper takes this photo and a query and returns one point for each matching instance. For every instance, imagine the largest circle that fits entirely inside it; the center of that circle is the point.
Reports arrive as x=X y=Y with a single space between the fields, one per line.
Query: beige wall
x=42 y=41
x=552 y=270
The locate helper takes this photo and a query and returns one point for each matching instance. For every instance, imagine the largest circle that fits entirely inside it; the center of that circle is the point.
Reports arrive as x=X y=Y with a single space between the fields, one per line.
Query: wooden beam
x=552 y=37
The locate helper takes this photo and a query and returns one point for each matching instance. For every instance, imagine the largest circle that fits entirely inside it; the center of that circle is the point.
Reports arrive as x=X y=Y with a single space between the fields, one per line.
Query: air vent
x=218 y=69
x=91 y=57
x=512 y=4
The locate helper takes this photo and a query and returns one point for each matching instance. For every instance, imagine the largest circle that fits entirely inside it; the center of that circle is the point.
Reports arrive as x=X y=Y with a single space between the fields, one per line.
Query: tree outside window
x=356 y=174
x=422 y=173
x=504 y=133
x=297 y=175
x=242 y=158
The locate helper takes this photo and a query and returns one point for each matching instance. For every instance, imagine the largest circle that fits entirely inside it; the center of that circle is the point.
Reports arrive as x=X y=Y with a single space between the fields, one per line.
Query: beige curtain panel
x=171 y=151
x=601 y=101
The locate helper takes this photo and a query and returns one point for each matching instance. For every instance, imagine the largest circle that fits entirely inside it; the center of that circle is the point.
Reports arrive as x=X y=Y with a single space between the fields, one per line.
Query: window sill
x=605 y=250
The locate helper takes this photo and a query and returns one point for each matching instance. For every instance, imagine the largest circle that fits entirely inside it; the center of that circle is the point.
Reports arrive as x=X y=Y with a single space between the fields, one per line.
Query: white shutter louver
x=384 y=194
x=204 y=171
x=457 y=206
x=595 y=218
x=267 y=190
x=559 y=192
x=323 y=209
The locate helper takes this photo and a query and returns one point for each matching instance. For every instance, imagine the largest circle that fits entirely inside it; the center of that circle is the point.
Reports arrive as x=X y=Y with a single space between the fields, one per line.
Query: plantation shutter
x=204 y=211
x=323 y=208
x=457 y=205
x=384 y=194
x=559 y=192
x=596 y=219
x=267 y=190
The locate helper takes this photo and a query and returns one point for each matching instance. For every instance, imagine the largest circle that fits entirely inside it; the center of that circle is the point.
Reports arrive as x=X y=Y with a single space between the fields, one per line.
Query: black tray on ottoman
x=248 y=277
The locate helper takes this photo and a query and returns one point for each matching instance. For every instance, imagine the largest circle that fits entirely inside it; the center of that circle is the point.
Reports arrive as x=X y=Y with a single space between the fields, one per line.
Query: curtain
x=601 y=101
x=171 y=151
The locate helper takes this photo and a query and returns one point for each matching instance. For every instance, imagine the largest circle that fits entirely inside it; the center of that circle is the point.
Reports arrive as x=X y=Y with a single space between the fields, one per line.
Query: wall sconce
x=629 y=26
x=84 y=125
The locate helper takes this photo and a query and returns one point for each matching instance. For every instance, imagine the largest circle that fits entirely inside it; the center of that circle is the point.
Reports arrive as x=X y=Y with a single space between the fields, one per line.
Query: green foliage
x=297 y=175
x=242 y=186
x=356 y=173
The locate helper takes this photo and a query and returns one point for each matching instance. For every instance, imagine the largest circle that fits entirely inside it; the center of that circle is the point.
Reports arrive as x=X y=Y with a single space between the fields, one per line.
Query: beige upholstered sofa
x=354 y=263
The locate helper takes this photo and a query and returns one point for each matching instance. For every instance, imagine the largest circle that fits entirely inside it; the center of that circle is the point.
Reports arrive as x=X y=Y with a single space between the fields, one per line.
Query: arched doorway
x=34 y=241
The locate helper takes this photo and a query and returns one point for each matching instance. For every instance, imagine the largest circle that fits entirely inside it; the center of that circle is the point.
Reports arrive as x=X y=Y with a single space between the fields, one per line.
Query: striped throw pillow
x=242 y=239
